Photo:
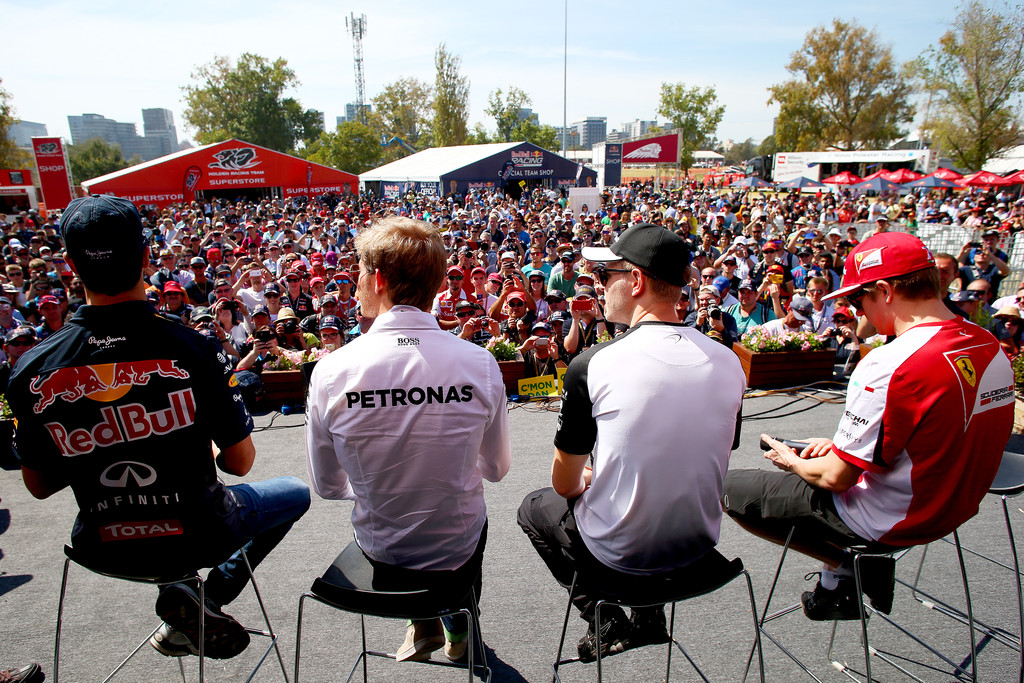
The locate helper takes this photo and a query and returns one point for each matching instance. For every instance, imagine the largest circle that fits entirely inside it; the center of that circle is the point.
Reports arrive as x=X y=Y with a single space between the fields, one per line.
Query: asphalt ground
x=522 y=606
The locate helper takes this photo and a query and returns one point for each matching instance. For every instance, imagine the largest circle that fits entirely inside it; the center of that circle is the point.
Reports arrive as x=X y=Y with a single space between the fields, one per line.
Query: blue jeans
x=265 y=511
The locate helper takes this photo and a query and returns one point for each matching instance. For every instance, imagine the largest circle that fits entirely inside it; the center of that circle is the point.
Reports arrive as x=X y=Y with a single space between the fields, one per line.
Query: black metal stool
x=858 y=553
x=174 y=576
x=706 y=575
x=348 y=585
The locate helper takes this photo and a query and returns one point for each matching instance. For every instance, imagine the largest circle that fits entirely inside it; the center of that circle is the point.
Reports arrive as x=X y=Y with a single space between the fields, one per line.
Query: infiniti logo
x=116 y=476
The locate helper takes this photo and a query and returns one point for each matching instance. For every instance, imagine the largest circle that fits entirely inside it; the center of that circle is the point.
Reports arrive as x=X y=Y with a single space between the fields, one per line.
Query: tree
x=694 y=112
x=478 y=136
x=451 y=100
x=244 y=101
x=95 y=157
x=740 y=152
x=767 y=146
x=353 y=147
x=848 y=92
x=402 y=109
x=528 y=130
x=305 y=125
x=973 y=77
x=10 y=155
x=506 y=111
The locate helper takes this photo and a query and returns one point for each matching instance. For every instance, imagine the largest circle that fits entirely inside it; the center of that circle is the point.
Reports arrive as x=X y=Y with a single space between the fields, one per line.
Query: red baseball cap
x=887 y=254
x=454 y=269
x=478 y=270
x=516 y=295
x=172 y=286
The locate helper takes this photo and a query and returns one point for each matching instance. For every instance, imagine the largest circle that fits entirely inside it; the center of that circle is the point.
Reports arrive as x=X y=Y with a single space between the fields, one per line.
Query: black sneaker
x=32 y=673
x=843 y=603
x=878 y=581
x=648 y=627
x=615 y=632
x=178 y=605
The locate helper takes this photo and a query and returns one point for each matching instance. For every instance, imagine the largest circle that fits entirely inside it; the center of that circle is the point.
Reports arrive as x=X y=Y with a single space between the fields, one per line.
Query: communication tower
x=357 y=28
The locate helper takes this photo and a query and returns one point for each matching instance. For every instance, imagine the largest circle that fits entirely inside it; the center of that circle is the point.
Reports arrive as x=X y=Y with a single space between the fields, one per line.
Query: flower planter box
x=511 y=372
x=282 y=387
x=785 y=368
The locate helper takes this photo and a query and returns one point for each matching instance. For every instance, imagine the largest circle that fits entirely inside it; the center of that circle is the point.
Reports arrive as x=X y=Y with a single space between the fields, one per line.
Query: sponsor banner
x=612 y=164
x=430 y=189
x=316 y=190
x=662 y=149
x=391 y=190
x=54 y=171
x=192 y=176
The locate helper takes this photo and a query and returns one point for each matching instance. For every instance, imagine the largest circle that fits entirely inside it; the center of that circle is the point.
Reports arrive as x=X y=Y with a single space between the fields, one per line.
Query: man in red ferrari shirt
x=927 y=418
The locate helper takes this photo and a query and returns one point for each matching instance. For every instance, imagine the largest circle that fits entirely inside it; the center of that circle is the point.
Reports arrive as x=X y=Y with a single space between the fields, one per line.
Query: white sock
x=829 y=578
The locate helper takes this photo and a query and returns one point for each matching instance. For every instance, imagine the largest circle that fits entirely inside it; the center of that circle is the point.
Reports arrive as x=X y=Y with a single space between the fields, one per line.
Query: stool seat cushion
x=1009 y=479
x=350 y=584
x=142 y=571
x=704 y=575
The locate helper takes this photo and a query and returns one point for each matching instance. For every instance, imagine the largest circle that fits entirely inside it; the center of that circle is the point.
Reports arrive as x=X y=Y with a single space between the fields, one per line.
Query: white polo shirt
x=407 y=420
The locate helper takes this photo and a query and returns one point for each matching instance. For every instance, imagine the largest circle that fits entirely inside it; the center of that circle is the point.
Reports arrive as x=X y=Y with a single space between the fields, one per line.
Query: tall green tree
x=10 y=155
x=244 y=100
x=305 y=124
x=974 y=78
x=740 y=152
x=353 y=147
x=847 y=92
x=451 y=100
x=504 y=108
x=95 y=157
x=695 y=112
x=767 y=146
x=403 y=109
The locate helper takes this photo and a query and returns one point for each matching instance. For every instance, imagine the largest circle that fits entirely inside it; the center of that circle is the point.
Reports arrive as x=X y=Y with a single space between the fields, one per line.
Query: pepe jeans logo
x=106 y=341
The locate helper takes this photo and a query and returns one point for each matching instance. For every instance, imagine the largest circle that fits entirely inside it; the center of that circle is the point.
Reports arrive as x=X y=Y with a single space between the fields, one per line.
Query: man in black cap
x=149 y=402
x=631 y=516
x=16 y=343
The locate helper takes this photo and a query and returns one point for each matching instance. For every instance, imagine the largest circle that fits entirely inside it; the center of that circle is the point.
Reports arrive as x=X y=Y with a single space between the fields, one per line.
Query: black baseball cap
x=104 y=237
x=652 y=248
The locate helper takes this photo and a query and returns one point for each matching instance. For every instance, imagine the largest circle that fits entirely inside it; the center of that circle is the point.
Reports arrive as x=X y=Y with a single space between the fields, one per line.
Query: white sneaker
x=421 y=638
x=171 y=642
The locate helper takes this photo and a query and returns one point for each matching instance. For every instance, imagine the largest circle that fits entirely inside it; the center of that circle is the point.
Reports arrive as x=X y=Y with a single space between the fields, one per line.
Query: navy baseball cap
x=330 y=322
x=104 y=238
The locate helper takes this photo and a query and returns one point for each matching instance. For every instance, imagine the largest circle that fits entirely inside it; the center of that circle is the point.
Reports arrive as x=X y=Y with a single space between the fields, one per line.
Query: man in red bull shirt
x=927 y=418
x=129 y=409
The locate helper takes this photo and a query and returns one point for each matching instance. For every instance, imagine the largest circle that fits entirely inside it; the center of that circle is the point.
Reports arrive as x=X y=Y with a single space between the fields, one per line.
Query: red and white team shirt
x=927 y=419
x=444 y=304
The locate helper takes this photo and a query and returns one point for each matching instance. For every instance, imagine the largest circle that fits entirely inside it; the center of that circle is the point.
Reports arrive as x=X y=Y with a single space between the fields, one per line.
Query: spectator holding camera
x=289 y=336
x=797 y=319
x=752 y=311
x=540 y=351
x=986 y=266
x=710 y=319
x=843 y=333
x=474 y=325
x=227 y=313
x=586 y=322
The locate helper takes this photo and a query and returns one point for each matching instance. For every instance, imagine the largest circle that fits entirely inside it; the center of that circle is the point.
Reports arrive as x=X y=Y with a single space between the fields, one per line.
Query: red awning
x=232 y=164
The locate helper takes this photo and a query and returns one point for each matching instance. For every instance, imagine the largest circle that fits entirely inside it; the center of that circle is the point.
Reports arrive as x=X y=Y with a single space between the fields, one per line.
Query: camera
x=974 y=245
x=833 y=332
x=289 y=327
x=264 y=334
x=715 y=312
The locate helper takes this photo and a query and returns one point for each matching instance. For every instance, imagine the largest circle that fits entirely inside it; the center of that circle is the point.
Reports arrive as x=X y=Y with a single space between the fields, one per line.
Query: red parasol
x=1016 y=178
x=903 y=175
x=947 y=174
x=844 y=178
x=876 y=174
x=984 y=179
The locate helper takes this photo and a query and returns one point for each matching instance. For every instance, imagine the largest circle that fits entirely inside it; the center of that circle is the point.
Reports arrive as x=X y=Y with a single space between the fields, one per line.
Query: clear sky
x=114 y=57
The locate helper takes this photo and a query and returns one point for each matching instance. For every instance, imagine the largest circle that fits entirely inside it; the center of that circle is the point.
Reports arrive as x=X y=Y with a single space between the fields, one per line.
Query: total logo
x=106 y=382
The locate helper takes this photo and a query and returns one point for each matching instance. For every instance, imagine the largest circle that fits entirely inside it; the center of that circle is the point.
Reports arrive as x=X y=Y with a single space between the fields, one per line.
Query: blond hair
x=410 y=256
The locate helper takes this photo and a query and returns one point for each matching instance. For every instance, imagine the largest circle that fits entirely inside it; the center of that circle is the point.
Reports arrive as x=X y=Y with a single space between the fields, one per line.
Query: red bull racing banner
x=663 y=149
x=54 y=172
x=612 y=164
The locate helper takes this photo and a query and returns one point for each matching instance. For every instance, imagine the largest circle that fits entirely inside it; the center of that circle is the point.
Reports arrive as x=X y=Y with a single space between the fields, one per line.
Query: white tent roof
x=430 y=164
x=1011 y=160
x=707 y=154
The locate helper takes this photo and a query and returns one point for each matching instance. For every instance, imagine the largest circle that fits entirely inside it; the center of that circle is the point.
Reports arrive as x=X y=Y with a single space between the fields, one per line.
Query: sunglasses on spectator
x=22 y=342
x=768 y=251
x=464 y=314
x=454 y=277
x=292 y=279
x=271 y=295
x=516 y=304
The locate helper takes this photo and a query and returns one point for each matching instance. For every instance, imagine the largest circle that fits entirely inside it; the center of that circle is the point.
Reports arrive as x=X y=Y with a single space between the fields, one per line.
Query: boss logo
x=408 y=341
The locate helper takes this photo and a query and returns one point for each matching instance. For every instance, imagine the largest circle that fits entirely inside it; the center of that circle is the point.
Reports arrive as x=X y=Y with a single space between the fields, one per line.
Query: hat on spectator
x=465 y=251
x=48 y=299
x=722 y=284
x=286 y=313
x=965 y=295
x=516 y=294
x=104 y=238
x=990 y=233
x=462 y=303
x=328 y=299
x=197 y=261
x=710 y=289
x=20 y=332
x=222 y=270
x=478 y=271
x=316 y=280
x=584 y=276
x=747 y=283
x=802 y=308
x=259 y=309
x=842 y=310
x=201 y=314
x=330 y=322
x=557 y=317
x=272 y=287
x=454 y=270
x=804 y=251
x=1008 y=312
x=882 y=219
x=495 y=277
x=585 y=290
x=555 y=296
x=317 y=257
x=656 y=251
x=172 y=286
x=212 y=251
x=508 y=255
x=541 y=325
x=536 y=272
x=886 y=254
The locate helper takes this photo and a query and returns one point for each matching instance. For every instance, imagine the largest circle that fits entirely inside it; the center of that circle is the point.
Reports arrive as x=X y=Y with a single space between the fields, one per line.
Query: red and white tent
x=220 y=168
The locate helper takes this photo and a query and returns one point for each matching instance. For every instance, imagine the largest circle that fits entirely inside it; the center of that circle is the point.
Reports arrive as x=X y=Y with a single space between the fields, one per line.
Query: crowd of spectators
x=274 y=276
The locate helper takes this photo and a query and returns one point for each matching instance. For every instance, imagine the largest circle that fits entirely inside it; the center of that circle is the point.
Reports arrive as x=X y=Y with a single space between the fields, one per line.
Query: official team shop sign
x=663 y=149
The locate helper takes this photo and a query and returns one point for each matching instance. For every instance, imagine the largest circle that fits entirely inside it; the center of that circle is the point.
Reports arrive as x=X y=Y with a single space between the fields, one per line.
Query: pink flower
x=806 y=346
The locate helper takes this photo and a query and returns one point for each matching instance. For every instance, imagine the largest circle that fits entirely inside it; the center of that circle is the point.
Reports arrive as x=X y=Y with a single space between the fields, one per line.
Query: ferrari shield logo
x=966 y=368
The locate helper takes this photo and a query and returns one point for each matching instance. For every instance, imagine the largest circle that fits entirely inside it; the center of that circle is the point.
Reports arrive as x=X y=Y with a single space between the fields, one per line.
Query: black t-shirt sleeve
x=577 y=429
x=220 y=399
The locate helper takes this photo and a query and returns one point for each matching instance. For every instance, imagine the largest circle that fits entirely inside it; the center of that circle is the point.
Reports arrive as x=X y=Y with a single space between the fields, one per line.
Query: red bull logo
x=106 y=382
